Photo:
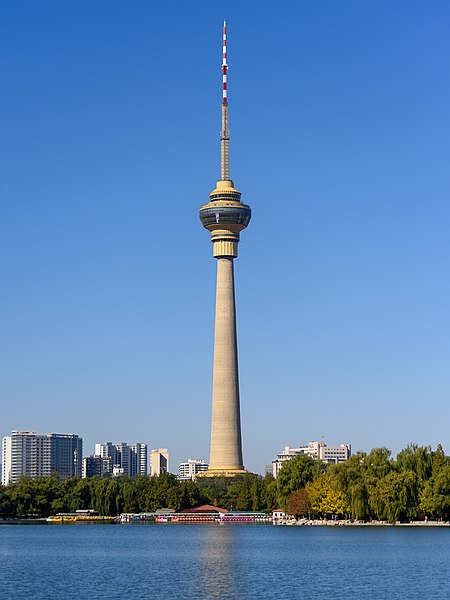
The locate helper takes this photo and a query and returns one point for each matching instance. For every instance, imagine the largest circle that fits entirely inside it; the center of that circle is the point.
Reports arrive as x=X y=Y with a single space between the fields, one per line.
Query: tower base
x=223 y=472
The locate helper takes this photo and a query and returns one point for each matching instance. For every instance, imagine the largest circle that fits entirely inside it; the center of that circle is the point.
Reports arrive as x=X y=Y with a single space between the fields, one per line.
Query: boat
x=89 y=516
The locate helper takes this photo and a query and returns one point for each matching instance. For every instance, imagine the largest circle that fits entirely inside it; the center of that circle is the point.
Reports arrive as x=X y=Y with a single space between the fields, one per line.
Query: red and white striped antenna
x=225 y=134
x=224 y=64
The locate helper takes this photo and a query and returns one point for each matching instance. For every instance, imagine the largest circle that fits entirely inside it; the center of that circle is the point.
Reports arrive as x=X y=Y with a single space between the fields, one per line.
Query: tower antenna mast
x=224 y=134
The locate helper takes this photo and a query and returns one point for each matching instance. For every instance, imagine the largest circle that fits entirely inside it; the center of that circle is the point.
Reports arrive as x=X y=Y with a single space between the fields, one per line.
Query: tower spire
x=224 y=134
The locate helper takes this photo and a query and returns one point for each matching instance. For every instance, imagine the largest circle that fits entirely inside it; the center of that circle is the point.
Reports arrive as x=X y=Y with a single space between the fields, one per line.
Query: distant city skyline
x=25 y=452
x=31 y=454
x=340 y=134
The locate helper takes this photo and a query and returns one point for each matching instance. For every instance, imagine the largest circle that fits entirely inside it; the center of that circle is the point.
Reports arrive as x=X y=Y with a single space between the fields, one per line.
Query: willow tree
x=418 y=459
x=395 y=497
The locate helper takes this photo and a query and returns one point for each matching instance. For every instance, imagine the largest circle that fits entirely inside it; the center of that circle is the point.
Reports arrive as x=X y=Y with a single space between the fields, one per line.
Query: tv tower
x=225 y=216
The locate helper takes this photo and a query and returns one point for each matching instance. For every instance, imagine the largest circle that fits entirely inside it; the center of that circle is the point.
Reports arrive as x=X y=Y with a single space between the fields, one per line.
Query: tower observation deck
x=225 y=216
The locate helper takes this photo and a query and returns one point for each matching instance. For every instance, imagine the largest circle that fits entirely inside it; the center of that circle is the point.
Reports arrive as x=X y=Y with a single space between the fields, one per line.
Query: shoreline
x=281 y=522
x=354 y=523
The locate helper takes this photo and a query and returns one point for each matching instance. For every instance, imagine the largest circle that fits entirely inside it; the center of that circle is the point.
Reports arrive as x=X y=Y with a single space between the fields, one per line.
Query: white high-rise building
x=191 y=468
x=41 y=455
x=105 y=450
x=126 y=459
x=159 y=461
x=6 y=460
x=318 y=450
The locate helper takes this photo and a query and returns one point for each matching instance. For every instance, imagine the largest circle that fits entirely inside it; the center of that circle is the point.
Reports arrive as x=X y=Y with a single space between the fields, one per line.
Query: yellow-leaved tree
x=324 y=498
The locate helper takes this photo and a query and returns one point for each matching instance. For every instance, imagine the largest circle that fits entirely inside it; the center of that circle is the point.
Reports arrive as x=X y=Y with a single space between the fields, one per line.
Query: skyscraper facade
x=66 y=454
x=225 y=216
x=97 y=466
x=124 y=459
x=41 y=455
x=159 y=461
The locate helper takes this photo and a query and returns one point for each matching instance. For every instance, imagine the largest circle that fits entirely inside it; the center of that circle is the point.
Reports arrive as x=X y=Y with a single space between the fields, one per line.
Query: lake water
x=235 y=562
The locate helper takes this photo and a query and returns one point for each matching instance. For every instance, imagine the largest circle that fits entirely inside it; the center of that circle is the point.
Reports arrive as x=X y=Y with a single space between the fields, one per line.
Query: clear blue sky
x=339 y=118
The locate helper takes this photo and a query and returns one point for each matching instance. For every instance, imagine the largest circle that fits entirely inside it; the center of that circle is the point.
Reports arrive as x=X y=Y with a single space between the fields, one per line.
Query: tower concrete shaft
x=225 y=216
x=226 y=443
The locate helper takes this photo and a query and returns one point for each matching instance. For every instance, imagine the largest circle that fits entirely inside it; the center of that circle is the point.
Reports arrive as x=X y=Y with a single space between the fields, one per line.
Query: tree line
x=414 y=485
x=373 y=486
x=45 y=496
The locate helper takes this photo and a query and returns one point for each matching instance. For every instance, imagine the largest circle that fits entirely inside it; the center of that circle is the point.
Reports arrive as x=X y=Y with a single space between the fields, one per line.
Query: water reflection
x=218 y=559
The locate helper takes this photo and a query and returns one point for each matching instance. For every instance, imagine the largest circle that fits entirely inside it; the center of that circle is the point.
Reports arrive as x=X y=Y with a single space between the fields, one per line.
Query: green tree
x=269 y=500
x=215 y=490
x=418 y=459
x=376 y=465
x=129 y=496
x=349 y=478
x=439 y=461
x=435 y=496
x=79 y=494
x=34 y=497
x=100 y=495
x=7 y=508
x=190 y=495
x=256 y=492
x=244 y=499
x=395 y=496
x=295 y=474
